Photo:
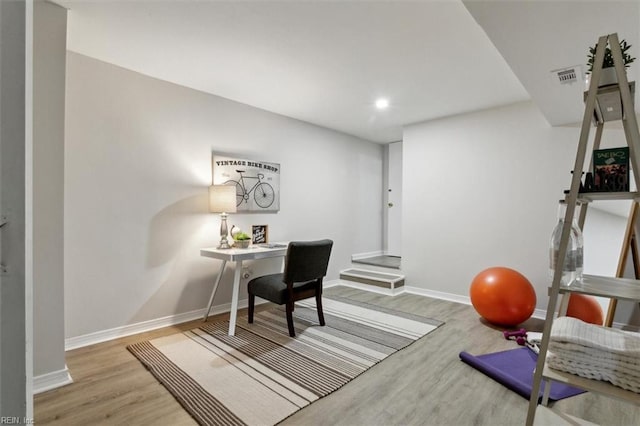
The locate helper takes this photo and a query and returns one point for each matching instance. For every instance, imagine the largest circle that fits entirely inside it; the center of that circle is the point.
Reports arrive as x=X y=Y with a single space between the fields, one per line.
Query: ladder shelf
x=590 y=385
x=596 y=112
x=608 y=103
x=589 y=197
x=611 y=287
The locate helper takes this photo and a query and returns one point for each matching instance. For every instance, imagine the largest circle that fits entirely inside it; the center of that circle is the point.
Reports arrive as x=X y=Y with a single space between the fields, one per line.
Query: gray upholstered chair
x=305 y=266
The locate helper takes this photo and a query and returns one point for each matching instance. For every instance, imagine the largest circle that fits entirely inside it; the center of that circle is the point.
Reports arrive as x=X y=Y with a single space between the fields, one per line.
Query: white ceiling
x=536 y=37
x=325 y=62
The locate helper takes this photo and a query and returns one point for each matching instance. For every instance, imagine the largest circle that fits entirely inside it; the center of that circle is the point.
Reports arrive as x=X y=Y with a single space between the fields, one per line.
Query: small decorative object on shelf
x=611 y=170
x=607 y=62
x=608 y=105
x=589 y=184
x=241 y=240
x=260 y=234
x=608 y=75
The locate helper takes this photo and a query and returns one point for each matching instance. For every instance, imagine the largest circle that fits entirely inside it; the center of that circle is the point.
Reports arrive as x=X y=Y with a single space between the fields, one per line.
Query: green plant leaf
x=608 y=58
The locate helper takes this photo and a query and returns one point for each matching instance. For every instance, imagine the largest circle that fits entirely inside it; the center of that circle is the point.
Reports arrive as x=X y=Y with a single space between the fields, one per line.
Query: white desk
x=237 y=256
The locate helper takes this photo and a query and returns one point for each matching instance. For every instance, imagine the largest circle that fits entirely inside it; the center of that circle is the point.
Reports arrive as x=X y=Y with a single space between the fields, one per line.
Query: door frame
x=16 y=283
x=393 y=199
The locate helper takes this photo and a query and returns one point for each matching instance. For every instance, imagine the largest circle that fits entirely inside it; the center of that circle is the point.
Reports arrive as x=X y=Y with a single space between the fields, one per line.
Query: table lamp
x=222 y=199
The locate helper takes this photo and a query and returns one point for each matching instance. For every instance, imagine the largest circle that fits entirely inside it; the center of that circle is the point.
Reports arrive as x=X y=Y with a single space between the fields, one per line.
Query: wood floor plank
x=424 y=384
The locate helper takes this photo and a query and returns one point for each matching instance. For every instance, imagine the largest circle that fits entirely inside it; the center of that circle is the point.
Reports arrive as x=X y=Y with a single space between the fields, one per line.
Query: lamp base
x=224 y=245
x=224 y=231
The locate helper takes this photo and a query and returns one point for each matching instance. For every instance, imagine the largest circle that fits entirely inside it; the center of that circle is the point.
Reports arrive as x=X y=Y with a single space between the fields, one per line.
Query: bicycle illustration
x=263 y=193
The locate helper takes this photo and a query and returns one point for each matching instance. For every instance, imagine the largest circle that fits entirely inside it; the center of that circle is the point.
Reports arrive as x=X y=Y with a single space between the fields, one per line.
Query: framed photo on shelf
x=260 y=234
x=611 y=169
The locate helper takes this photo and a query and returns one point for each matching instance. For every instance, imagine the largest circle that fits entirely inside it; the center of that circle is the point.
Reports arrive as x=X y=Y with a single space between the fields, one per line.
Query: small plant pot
x=608 y=76
x=241 y=243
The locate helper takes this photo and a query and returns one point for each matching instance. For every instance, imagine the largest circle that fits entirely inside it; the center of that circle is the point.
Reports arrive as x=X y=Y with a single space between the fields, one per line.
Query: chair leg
x=292 y=332
x=252 y=302
x=319 y=308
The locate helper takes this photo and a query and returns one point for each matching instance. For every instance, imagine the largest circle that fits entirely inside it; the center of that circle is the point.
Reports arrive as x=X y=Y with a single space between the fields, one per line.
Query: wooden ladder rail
x=630 y=242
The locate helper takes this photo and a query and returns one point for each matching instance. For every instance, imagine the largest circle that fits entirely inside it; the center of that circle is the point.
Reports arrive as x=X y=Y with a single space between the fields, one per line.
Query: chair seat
x=272 y=288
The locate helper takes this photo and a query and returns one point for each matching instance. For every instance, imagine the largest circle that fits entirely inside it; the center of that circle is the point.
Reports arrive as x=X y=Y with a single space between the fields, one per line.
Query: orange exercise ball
x=503 y=296
x=585 y=308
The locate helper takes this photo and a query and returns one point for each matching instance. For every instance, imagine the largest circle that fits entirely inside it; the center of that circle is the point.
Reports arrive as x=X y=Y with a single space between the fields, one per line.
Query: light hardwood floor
x=424 y=384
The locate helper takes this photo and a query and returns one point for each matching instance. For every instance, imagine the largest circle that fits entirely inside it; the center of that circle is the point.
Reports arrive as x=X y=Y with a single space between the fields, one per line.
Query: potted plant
x=241 y=240
x=608 y=75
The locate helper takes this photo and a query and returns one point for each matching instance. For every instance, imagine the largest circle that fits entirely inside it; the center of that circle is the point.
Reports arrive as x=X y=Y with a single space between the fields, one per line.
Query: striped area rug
x=261 y=376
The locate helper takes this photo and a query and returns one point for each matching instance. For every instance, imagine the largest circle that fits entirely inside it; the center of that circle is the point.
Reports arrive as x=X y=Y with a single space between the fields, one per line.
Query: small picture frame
x=260 y=234
x=611 y=169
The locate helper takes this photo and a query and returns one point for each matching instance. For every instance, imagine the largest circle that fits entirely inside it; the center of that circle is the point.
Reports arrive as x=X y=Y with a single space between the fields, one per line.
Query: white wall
x=481 y=190
x=137 y=167
x=604 y=235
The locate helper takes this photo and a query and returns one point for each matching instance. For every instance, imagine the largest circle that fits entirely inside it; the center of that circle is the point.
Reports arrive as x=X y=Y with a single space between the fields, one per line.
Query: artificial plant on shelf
x=241 y=236
x=241 y=240
x=607 y=62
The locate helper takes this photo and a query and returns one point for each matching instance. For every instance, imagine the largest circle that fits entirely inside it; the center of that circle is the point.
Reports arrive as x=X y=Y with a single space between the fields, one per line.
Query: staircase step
x=378 y=279
x=385 y=261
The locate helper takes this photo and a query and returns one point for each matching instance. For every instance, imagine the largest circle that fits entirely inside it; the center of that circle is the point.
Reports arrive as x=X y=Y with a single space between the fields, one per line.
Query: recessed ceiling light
x=382 y=103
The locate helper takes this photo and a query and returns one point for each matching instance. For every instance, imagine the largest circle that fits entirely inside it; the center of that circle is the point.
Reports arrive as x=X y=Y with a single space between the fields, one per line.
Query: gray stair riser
x=373 y=278
x=376 y=283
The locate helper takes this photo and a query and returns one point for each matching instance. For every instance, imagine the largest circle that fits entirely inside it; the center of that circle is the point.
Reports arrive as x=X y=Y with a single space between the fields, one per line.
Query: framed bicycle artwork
x=257 y=183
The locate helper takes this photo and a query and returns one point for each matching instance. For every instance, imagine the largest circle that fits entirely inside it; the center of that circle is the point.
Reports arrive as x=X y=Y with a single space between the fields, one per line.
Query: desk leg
x=215 y=288
x=233 y=314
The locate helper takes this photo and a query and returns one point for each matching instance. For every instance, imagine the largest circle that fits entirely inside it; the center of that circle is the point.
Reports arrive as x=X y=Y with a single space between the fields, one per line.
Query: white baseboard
x=141 y=327
x=53 y=380
x=466 y=300
x=438 y=295
x=540 y=314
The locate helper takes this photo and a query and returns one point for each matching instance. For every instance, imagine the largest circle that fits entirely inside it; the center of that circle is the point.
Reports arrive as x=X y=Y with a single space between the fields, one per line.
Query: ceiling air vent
x=568 y=75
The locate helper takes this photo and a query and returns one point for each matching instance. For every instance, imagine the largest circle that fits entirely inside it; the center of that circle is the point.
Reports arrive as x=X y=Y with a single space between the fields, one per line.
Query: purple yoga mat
x=514 y=369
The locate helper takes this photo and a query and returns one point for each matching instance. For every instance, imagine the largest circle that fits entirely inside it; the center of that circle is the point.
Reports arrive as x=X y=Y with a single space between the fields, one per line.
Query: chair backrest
x=307 y=260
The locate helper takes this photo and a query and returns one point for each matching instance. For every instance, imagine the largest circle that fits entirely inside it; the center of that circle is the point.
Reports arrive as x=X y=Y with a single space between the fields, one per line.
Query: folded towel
x=572 y=330
x=595 y=372
x=595 y=352
x=613 y=365
x=624 y=364
x=593 y=366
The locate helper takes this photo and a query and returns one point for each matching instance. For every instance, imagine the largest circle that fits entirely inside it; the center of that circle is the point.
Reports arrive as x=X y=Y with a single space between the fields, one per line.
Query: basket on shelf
x=241 y=243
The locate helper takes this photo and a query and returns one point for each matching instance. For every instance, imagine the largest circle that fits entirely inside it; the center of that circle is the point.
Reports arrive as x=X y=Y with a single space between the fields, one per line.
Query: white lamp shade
x=222 y=199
